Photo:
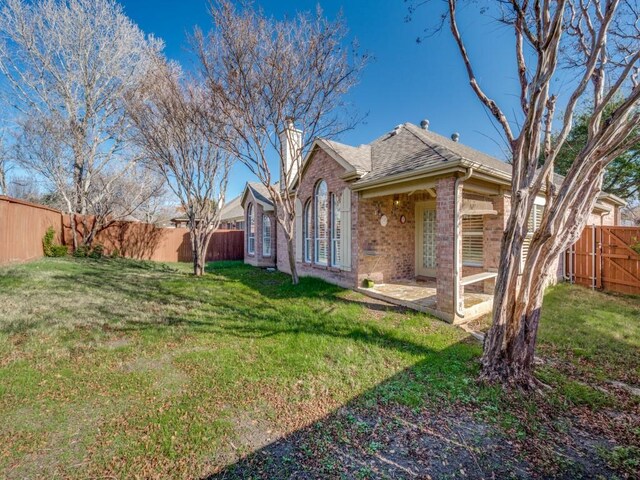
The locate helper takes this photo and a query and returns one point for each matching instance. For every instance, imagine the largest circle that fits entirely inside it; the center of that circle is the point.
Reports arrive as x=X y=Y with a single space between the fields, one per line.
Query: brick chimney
x=291 y=151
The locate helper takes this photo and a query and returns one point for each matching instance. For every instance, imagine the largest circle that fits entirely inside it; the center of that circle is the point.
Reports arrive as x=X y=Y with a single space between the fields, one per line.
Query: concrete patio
x=420 y=295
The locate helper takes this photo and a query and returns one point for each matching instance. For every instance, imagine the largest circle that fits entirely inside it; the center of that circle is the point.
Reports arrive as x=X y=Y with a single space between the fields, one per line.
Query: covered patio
x=432 y=246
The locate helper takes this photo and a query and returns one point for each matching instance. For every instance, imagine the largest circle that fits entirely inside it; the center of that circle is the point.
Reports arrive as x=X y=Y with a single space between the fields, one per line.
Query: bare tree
x=179 y=135
x=4 y=162
x=597 y=40
x=25 y=188
x=68 y=65
x=119 y=196
x=278 y=85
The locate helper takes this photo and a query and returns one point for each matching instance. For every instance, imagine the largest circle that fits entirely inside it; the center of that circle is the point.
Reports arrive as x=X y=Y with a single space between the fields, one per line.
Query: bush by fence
x=23 y=226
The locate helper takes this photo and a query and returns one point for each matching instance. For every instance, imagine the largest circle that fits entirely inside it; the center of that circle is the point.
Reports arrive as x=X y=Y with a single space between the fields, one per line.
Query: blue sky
x=405 y=82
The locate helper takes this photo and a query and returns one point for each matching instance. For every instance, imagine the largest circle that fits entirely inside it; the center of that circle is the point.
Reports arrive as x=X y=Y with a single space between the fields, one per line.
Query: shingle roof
x=359 y=157
x=260 y=192
x=409 y=148
x=232 y=209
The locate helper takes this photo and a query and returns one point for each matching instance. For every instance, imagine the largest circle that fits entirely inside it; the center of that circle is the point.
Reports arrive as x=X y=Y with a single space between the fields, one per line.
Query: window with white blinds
x=472 y=240
x=321 y=223
x=266 y=236
x=532 y=225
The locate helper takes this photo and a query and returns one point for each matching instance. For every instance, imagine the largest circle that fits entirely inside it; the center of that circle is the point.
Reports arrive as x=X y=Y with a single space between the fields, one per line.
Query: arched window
x=336 y=230
x=266 y=236
x=251 y=230
x=307 y=230
x=321 y=223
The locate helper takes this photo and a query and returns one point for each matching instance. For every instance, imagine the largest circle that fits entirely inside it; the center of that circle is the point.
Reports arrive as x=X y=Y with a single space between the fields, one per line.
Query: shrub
x=115 y=253
x=97 y=252
x=50 y=248
x=635 y=246
x=82 y=251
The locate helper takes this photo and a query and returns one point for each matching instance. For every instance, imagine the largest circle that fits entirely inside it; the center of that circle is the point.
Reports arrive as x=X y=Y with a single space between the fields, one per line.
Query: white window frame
x=251 y=230
x=472 y=235
x=336 y=229
x=318 y=211
x=307 y=227
x=266 y=236
x=533 y=224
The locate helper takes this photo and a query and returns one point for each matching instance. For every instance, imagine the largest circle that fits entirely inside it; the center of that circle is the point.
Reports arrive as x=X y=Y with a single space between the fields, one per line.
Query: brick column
x=445 y=218
x=492 y=238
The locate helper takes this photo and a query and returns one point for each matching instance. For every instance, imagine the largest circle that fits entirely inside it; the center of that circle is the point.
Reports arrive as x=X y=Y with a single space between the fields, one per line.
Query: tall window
x=321 y=223
x=251 y=237
x=472 y=240
x=307 y=229
x=266 y=236
x=336 y=229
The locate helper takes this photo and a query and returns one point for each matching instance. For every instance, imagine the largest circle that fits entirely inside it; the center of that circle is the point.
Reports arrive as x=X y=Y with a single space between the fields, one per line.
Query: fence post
x=593 y=257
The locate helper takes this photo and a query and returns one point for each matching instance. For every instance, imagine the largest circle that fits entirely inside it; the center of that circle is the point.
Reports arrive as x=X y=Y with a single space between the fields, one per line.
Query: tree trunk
x=292 y=260
x=74 y=233
x=509 y=344
x=199 y=246
x=196 y=253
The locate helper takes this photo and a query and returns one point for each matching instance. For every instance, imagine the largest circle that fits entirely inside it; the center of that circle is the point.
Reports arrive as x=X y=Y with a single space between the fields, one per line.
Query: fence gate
x=603 y=258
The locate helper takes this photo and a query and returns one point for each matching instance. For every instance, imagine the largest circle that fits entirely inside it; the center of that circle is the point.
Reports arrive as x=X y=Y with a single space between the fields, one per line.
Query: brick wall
x=387 y=253
x=322 y=167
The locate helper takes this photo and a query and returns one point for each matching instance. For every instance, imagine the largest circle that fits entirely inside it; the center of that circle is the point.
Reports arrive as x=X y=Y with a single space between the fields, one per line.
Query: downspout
x=458 y=312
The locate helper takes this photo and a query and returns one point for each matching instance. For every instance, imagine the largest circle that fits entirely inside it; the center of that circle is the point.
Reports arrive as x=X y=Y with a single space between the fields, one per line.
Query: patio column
x=445 y=218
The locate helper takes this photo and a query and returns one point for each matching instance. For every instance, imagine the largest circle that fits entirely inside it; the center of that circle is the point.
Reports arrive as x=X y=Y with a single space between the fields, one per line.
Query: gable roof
x=259 y=193
x=407 y=150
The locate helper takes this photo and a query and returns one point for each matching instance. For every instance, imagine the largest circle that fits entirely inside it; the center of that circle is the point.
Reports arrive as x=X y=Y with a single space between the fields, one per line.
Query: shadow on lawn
x=419 y=422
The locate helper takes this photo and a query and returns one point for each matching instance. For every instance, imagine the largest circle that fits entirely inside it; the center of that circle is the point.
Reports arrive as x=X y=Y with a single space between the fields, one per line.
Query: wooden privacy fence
x=23 y=224
x=603 y=258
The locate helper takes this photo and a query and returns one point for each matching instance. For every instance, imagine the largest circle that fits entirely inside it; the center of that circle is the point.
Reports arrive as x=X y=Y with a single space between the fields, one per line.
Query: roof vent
x=455 y=136
x=424 y=124
x=396 y=130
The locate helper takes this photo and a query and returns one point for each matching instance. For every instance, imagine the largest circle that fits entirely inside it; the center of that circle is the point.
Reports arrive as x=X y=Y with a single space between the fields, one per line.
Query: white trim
x=298 y=233
x=345 y=225
x=266 y=220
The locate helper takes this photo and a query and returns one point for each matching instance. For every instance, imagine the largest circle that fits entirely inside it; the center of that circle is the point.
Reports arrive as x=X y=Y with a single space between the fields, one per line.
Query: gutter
x=442 y=168
x=456 y=244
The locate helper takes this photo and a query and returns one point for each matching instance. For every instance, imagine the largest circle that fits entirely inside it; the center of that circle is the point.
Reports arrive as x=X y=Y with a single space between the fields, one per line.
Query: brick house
x=418 y=214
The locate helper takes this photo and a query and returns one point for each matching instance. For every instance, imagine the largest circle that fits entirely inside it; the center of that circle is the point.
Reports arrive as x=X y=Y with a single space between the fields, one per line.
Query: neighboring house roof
x=259 y=192
x=232 y=210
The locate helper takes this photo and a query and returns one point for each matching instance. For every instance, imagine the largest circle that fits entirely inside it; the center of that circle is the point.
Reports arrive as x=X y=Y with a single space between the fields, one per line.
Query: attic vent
x=424 y=124
x=455 y=136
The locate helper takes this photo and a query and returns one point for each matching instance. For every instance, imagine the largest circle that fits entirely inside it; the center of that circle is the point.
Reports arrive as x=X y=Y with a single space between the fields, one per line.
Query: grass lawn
x=120 y=369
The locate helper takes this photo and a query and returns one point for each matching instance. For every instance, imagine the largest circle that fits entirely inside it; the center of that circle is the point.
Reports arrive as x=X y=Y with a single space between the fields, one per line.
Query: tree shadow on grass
x=418 y=423
x=421 y=421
